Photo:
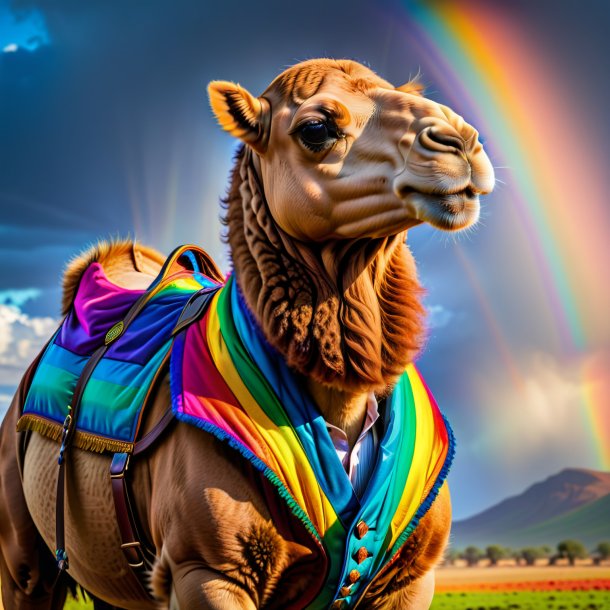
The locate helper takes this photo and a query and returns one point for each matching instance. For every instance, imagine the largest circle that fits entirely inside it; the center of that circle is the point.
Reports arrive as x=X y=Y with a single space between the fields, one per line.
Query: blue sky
x=106 y=131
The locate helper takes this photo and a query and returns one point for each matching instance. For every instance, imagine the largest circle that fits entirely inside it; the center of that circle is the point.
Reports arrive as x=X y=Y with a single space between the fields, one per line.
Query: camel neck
x=345 y=314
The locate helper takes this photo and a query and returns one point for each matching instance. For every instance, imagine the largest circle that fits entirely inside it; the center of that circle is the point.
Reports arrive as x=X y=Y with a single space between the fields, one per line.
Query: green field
x=523 y=600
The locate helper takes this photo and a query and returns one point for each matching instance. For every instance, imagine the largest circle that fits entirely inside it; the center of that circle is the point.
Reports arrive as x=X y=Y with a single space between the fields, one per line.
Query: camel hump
x=125 y=263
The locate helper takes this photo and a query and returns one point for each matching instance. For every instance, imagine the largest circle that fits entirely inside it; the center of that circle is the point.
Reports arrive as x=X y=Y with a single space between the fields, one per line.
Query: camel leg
x=28 y=572
x=419 y=595
x=44 y=595
x=197 y=588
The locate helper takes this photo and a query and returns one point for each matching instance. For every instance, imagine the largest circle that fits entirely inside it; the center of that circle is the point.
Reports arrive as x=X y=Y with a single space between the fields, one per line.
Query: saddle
x=94 y=379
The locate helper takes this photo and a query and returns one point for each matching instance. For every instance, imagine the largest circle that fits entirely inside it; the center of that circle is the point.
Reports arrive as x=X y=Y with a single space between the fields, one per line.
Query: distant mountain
x=574 y=503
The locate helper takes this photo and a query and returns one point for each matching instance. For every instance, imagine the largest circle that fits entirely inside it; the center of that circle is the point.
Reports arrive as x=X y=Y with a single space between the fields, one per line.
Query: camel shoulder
x=229 y=526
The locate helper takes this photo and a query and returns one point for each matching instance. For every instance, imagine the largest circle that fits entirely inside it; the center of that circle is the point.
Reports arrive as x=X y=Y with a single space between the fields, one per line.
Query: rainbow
x=485 y=64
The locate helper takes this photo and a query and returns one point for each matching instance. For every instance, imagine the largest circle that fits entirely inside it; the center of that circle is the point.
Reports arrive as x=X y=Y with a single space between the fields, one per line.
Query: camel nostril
x=432 y=139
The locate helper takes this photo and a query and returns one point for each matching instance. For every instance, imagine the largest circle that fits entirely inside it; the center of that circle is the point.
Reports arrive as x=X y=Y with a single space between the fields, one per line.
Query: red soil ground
x=514 y=578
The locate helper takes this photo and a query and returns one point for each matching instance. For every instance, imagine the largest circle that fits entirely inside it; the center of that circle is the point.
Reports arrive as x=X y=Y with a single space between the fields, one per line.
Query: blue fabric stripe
x=53 y=384
x=114 y=397
x=118 y=372
x=150 y=329
x=62 y=358
x=382 y=496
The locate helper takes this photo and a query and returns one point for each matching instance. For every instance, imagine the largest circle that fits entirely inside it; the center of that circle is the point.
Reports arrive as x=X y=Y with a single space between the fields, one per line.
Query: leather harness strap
x=131 y=543
x=138 y=556
x=130 y=540
x=69 y=426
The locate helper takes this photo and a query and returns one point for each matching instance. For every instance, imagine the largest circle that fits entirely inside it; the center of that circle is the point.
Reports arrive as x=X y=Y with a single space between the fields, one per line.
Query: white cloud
x=438 y=316
x=10 y=48
x=5 y=401
x=21 y=338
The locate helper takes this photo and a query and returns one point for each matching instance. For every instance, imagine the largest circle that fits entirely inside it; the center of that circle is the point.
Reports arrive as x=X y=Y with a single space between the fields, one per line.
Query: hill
x=574 y=503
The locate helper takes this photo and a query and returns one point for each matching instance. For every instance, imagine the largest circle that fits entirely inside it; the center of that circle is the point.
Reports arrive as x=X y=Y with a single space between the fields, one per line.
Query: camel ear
x=414 y=87
x=241 y=114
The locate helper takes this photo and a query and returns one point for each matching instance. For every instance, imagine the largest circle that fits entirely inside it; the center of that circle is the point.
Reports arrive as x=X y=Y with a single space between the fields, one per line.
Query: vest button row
x=361 y=530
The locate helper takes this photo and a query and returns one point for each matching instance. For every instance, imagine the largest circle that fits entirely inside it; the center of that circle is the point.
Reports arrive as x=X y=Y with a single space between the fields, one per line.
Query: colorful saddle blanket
x=226 y=380
x=113 y=400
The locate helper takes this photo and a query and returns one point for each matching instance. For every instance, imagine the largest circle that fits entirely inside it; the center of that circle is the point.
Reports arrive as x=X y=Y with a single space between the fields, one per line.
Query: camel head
x=336 y=165
x=343 y=154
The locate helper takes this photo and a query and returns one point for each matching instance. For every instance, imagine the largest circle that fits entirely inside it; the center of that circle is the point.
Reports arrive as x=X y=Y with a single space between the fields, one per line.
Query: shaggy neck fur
x=343 y=313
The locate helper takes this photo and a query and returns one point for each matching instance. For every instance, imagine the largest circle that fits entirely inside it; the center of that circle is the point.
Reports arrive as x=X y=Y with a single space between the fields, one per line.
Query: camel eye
x=317 y=135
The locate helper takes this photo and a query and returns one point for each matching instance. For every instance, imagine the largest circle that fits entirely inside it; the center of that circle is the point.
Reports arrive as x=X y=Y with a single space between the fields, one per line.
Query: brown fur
x=302 y=81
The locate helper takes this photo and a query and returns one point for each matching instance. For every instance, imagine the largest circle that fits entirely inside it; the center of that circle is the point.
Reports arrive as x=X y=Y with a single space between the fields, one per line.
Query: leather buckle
x=135 y=547
x=64 y=435
x=119 y=465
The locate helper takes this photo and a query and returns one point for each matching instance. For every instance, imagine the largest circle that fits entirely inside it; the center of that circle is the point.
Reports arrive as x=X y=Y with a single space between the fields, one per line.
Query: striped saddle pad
x=114 y=398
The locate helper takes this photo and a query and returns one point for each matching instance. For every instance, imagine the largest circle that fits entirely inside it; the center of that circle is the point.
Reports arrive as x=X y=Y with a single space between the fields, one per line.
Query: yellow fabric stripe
x=425 y=456
x=294 y=468
x=181 y=283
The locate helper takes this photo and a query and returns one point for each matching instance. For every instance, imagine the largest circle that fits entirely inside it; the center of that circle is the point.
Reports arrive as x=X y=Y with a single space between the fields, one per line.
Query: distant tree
x=494 y=553
x=603 y=550
x=472 y=555
x=572 y=549
x=531 y=553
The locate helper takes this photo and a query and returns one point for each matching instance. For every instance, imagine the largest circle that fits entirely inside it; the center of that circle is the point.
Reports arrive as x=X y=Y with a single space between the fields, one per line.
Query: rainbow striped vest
x=226 y=380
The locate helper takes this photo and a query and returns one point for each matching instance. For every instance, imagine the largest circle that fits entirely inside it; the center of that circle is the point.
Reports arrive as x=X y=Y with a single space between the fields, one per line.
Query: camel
x=336 y=165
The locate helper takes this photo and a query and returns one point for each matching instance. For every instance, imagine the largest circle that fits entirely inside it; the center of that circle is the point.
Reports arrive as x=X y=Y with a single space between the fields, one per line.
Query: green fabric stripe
x=404 y=457
x=51 y=392
x=107 y=393
x=250 y=375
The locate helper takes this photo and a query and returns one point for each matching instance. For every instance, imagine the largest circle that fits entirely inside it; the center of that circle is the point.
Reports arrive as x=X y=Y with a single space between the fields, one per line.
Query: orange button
x=362 y=554
x=354 y=575
x=345 y=591
x=361 y=530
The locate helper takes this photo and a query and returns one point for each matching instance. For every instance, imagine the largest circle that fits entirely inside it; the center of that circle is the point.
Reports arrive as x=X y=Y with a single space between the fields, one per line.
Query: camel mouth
x=448 y=211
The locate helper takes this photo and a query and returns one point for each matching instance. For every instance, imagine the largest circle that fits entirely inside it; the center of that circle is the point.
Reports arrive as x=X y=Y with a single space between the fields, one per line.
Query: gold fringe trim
x=35 y=423
x=82 y=440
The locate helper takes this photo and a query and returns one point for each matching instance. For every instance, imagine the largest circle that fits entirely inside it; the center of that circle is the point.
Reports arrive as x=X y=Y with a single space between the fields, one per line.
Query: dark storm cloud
x=93 y=116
